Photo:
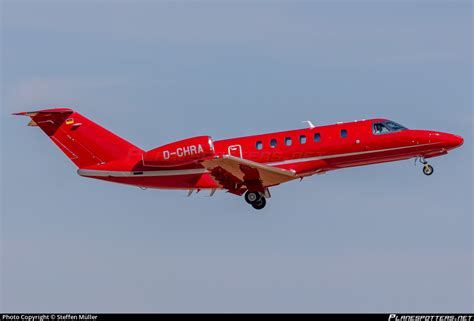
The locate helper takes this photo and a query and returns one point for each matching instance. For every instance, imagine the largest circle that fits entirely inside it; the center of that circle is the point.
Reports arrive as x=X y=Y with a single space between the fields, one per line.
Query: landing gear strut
x=427 y=168
x=255 y=199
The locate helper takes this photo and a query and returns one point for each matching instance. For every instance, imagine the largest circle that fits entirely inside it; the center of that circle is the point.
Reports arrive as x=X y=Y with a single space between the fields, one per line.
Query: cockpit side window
x=380 y=128
x=387 y=126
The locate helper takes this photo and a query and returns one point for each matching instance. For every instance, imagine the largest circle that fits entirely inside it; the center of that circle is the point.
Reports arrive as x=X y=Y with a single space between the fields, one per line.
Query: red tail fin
x=83 y=141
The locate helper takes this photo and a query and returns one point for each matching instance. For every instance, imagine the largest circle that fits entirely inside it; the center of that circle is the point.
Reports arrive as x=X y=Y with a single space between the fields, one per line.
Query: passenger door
x=235 y=150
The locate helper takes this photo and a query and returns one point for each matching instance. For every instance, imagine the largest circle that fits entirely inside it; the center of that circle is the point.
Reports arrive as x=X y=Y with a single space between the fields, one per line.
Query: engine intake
x=182 y=152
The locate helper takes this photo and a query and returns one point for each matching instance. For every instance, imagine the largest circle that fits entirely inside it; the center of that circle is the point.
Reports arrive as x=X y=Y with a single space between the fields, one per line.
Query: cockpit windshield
x=387 y=126
x=394 y=127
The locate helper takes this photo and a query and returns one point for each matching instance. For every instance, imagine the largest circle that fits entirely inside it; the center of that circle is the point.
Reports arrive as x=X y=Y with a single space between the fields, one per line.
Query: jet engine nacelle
x=181 y=152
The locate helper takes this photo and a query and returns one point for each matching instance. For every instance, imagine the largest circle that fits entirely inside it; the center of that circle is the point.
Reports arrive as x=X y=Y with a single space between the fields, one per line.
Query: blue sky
x=381 y=238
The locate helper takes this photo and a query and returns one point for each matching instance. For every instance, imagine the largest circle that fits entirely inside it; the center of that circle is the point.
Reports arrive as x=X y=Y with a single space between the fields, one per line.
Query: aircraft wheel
x=252 y=197
x=260 y=203
x=428 y=170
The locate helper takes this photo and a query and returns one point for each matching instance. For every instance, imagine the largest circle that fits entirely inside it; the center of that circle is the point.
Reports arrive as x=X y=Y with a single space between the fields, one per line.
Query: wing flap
x=248 y=172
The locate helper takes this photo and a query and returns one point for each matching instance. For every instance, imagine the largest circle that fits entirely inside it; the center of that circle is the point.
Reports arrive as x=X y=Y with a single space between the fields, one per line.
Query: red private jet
x=249 y=165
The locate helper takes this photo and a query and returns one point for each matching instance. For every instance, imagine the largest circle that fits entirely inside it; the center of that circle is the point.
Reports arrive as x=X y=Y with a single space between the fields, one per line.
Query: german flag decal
x=69 y=121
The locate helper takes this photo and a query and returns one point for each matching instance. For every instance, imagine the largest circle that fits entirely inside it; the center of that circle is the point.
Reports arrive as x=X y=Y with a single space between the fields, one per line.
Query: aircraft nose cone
x=458 y=140
x=453 y=141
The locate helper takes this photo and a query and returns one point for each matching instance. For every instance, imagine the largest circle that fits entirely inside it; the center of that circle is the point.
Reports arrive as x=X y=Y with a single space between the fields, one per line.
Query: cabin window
x=259 y=145
x=317 y=137
x=273 y=143
x=302 y=139
x=343 y=133
x=288 y=141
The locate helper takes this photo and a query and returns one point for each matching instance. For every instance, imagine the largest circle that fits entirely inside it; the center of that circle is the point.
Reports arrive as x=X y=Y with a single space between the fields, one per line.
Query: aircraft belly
x=188 y=181
x=378 y=157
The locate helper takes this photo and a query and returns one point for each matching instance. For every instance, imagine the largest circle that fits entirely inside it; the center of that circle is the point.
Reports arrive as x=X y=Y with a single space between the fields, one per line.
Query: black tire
x=252 y=197
x=260 y=204
x=428 y=170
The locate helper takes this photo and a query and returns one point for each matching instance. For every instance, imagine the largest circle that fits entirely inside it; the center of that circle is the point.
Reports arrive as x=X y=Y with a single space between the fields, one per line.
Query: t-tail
x=83 y=141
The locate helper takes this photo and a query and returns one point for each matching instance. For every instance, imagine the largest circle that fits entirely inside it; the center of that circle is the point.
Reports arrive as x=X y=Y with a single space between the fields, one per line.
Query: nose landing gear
x=427 y=168
x=255 y=199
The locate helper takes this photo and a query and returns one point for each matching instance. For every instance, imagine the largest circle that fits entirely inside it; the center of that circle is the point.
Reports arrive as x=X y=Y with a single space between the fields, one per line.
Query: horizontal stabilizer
x=44 y=111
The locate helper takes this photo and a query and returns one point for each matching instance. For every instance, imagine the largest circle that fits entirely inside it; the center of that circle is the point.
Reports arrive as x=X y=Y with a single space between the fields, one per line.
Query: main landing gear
x=427 y=168
x=255 y=199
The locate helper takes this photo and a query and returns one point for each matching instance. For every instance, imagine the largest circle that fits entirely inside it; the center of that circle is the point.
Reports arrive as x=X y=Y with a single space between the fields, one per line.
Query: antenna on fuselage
x=310 y=124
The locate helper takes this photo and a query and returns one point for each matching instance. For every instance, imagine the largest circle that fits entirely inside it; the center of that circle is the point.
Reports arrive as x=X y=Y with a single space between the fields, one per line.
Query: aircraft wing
x=233 y=173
